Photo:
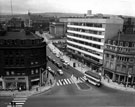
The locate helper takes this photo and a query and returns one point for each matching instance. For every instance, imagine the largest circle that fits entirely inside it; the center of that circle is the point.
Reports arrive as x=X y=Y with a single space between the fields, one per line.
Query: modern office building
x=86 y=37
x=119 y=55
x=22 y=59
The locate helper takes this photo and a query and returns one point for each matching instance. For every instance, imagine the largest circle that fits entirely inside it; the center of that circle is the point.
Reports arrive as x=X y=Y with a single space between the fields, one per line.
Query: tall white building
x=86 y=37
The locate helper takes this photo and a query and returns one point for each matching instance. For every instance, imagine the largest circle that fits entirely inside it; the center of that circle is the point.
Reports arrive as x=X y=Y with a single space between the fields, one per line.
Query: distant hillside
x=48 y=14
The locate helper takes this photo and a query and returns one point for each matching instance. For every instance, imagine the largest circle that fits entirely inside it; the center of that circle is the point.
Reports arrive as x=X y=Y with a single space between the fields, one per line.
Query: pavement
x=83 y=68
x=34 y=91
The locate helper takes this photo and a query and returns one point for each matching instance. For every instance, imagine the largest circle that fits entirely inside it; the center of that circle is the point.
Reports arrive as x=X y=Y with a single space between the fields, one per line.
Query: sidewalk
x=34 y=91
x=86 y=68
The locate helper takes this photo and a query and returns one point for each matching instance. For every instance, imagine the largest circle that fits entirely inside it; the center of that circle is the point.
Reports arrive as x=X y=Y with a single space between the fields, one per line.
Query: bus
x=93 y=78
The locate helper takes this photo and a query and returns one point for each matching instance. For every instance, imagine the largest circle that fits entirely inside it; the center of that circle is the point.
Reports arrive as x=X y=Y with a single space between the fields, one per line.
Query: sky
x=116 y=7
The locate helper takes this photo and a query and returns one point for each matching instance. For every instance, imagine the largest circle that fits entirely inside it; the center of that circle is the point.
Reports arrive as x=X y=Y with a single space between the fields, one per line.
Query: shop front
x=16 y=83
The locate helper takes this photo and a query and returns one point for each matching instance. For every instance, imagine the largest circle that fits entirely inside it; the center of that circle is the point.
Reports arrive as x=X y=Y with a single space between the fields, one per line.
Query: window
x=114 y=42
x=109 y=41
x=126 y=44
x=121 y=43
x=36 y=70
x=32 y=71
x=133 y=44
x=12 y=73
x=7 y=73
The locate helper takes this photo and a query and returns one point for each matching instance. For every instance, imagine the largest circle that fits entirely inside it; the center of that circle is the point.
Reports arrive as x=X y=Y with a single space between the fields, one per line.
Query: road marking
x=82 y=79
x=66 y=81
x=19 y=101
x=69 y=81
x=60 y=82
x=20 y=98
x=57 y=84
x=63 y=82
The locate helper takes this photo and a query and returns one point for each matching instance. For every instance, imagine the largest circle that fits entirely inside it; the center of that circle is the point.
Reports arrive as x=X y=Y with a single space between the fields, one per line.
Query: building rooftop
x=19 y=35
x=125 y=37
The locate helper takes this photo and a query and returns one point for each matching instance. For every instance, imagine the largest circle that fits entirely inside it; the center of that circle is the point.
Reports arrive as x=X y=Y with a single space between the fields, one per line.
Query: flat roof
x=124 y=37
x=19 y=35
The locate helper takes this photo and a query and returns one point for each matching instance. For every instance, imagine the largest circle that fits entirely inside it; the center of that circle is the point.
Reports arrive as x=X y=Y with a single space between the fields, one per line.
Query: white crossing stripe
x=18 y=101
x=20 y=98
x=68 y=81
x=71 y=80
x=82 y=79
x=60 y=82
x=57 y=84
x=65 y=81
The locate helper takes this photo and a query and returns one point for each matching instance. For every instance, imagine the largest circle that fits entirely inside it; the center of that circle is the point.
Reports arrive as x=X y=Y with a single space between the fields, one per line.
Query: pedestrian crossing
x=67 y=81
x=18 y=101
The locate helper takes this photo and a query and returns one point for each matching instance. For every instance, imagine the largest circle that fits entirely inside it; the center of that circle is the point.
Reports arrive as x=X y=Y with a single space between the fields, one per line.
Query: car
x=49 y=57
x=59 y=65
x=53 y=61
x=60 y=72
x=62 y=60
x=65 y=65
x=57 y=56
x=49 y=68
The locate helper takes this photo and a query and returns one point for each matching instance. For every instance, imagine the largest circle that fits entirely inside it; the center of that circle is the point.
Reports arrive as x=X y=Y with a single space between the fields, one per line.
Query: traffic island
x=80 y=85
x=83 y=86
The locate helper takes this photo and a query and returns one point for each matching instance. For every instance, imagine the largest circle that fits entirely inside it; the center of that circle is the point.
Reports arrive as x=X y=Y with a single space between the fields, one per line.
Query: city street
x=68 y=95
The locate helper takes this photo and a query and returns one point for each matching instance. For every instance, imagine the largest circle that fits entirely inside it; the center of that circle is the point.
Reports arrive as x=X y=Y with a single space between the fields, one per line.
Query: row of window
x=86 y=31
x=13 y=73
x=125 y=44
x=121 y=58
x=85 y=37
x=119 y=49
x=19 y=42
x=85 y=49
x=34 y=71
x=86 y=24
x=86 y=56
x=32 y=52
x=85 y=43
x=11 y=61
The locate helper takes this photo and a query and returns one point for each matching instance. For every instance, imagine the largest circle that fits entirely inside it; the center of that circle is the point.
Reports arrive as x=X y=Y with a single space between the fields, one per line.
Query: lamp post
x=128 y=76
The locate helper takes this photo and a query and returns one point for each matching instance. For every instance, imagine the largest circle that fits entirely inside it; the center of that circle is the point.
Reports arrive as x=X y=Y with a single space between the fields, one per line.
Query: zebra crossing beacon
x=93 y=78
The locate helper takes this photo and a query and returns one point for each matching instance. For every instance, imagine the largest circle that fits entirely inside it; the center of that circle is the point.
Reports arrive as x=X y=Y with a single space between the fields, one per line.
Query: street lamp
x=128 y=76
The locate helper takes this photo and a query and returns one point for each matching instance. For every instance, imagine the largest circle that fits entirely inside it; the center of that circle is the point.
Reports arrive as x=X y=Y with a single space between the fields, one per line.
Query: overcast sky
x=118 y=7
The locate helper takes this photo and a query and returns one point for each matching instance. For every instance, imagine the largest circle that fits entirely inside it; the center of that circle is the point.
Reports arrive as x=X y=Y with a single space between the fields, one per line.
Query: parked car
x=57 y=56
x=59 y=65
x=49 y=68
x=60 y=72
x=65 y=65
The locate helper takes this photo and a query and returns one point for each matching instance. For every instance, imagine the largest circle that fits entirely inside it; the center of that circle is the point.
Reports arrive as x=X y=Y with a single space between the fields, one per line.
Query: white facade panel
x=87 y=34
x=87 y=28
x=86 y=40
x=88 y=47
x=82 y=51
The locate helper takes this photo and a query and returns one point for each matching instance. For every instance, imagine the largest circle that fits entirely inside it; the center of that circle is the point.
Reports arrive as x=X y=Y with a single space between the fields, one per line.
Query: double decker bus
x=93 y=78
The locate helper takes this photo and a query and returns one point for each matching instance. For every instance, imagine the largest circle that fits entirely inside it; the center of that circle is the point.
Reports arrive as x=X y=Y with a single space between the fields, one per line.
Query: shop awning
x=37 y=79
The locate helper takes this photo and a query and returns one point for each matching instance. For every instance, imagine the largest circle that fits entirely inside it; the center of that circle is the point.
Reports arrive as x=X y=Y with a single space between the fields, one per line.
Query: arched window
x=133 y=44
x=126 y=44
x=109 y=41
x=114 y=42
x=121 y=43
